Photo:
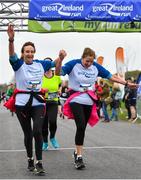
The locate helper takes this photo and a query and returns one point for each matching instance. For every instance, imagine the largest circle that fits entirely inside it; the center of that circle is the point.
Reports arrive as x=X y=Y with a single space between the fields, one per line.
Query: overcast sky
x=48 y=45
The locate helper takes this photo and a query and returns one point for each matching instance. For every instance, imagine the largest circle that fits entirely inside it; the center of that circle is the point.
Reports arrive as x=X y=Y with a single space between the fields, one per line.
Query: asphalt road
x=112 y=151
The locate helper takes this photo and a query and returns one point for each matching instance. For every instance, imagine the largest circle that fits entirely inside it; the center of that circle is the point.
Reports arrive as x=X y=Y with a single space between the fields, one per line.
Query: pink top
x=93 y=117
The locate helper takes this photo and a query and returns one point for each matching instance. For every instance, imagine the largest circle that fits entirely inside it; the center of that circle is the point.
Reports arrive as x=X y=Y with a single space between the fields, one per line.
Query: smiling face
x=87 y=61
x=28 y=54
x=28 y=51
x=88 y=57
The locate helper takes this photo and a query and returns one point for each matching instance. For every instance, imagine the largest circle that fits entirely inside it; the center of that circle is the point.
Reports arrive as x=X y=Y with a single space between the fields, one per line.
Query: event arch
x=16 y=12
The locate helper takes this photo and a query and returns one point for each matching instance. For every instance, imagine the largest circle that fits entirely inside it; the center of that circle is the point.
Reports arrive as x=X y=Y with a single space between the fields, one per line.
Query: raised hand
x=62 y=54
x=10 y=31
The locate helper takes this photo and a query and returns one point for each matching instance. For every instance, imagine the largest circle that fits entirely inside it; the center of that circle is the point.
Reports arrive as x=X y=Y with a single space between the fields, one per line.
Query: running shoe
x=74 y=156
x=79 y=164
x=31 y=166
x=39 y=170
x=54 y=143
x=45 y=146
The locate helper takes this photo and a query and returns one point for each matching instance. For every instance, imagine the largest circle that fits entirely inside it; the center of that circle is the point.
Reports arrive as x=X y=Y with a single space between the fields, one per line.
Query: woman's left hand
x=62 y=54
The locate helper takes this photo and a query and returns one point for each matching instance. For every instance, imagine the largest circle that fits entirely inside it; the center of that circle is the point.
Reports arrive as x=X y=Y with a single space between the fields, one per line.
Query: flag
x=120 y=65
x=138 y=102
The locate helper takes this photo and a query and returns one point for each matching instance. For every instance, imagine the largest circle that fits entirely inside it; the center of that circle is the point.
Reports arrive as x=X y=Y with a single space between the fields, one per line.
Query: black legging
x=81 y=116
x=50 y=121
x=37 y=114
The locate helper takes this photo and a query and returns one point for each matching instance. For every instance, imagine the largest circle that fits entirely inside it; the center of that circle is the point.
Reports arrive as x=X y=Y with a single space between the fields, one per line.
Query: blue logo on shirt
x=87 y=75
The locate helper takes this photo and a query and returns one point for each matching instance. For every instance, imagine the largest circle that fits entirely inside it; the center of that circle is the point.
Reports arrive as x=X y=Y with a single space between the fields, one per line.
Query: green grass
x=122 y=113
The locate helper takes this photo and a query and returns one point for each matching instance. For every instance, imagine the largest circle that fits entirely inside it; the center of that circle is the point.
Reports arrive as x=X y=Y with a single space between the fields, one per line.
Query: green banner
x=82 y=26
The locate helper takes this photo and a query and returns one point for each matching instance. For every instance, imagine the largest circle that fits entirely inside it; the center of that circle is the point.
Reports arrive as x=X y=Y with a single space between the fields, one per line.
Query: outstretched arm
x=118 y=79
x=58 y=62
x=11 y=33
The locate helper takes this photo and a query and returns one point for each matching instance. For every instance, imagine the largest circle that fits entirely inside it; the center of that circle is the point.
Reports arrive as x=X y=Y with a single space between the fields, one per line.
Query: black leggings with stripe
x=50 y=121
x=81 y=116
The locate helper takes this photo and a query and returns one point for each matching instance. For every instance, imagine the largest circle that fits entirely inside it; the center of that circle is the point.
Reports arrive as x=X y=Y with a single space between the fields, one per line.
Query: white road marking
x=71 y=148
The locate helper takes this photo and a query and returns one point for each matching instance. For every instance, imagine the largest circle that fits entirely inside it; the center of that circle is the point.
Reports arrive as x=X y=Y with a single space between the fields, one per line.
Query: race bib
x=85 y=87
x=52 y=96
x=34 y=85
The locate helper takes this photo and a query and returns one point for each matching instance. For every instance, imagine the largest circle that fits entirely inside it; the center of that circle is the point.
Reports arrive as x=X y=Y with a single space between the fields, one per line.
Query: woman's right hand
x=10 y=31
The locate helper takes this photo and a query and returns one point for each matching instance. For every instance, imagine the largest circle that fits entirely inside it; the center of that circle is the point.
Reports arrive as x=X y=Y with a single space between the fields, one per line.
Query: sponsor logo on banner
x=61 y=9
x=107 y=10
x=81 y=26
x=111 y=11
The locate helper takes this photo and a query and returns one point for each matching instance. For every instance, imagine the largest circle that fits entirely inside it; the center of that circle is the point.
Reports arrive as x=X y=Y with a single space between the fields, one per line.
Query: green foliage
x=133 y=74
x=122 y=113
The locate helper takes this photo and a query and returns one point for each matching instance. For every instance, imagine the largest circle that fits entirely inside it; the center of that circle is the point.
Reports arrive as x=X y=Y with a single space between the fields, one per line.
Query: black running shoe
x=75 y=156
x=39 y=170
x=79 y=164
x=31 y=166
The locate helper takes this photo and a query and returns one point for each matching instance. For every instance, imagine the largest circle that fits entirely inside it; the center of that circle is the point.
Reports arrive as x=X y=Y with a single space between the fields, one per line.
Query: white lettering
x=49 y=8
x=113 y=9
x=57 y=6
x=72 y=8
x=75 y=14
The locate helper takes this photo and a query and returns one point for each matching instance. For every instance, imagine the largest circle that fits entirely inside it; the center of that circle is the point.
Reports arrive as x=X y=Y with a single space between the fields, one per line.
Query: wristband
x=11 y=40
